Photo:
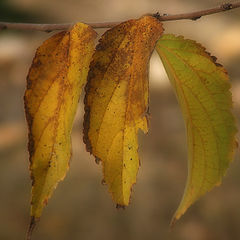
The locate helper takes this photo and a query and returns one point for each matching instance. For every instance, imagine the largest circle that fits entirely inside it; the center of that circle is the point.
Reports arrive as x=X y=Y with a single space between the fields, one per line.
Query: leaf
x=202 y=88
x=54 y=83
x=116 y=101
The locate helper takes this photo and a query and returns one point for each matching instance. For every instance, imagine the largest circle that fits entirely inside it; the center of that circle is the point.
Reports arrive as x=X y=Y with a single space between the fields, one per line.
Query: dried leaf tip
x=32 y=225
x=118 y=206
x=172 y=223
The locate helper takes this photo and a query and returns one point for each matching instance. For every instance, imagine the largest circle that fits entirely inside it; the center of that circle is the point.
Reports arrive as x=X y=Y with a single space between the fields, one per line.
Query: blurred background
x=81 y=207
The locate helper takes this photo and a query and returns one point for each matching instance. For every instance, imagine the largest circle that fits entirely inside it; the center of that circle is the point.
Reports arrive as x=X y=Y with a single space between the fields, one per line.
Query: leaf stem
x=165 y=17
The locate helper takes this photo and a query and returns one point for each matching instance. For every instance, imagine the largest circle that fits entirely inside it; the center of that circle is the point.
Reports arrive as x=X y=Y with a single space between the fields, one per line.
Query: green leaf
x=202 y=88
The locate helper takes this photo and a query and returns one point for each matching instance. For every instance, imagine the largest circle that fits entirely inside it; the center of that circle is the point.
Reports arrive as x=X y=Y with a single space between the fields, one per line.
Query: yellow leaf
x=202 y=88
x=54 y=83
x=116 y=101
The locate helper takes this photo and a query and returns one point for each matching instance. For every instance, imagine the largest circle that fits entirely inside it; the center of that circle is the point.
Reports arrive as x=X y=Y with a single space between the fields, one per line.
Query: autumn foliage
x=54 y=83
x=116 y=107
x=116 y=101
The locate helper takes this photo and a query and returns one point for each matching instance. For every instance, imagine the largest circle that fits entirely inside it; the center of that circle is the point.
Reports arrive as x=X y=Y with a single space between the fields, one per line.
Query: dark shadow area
x=10 y=13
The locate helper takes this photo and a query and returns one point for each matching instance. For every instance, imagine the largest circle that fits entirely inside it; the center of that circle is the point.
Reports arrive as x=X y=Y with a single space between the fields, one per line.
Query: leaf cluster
x=115 y=76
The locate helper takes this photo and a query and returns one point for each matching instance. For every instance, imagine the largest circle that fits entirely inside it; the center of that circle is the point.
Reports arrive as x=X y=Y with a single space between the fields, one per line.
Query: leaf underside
x=202 y=88
x=116 y=101
x=54 y=83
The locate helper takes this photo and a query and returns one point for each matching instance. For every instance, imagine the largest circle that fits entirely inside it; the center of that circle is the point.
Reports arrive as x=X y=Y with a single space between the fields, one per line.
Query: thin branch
x=162 y=18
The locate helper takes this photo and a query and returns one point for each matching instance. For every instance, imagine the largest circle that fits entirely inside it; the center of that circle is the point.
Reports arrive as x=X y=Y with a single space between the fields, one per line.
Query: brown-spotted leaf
x=116 y=101
x=54 y=83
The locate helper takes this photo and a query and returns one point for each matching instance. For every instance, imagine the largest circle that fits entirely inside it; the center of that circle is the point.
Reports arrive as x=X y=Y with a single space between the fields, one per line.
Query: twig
x=164 y=17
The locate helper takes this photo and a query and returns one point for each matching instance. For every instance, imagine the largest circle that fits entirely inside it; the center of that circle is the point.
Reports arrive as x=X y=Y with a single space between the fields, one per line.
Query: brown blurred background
x=81 y=207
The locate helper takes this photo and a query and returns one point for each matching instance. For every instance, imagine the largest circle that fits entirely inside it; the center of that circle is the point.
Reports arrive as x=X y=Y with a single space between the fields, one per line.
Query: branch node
x=226 y=6
x=158 y=16
x=196 y=18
